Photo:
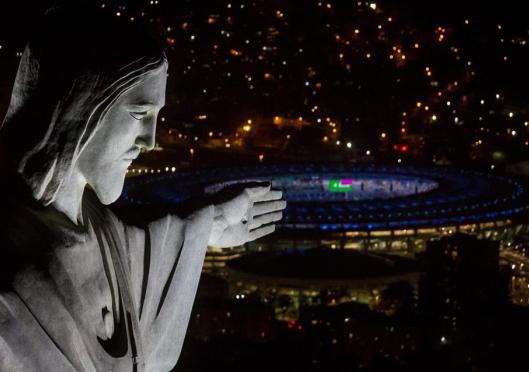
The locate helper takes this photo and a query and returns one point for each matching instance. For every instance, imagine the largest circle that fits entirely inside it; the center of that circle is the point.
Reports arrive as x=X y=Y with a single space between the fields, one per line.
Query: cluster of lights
x=440 y=33
x=356 y=33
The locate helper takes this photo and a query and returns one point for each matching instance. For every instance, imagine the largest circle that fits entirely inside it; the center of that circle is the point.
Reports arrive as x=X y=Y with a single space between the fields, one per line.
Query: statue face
x=128 y=126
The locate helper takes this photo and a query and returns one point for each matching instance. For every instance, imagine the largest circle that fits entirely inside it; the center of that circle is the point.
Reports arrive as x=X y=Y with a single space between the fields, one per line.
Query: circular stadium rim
x=462 y=197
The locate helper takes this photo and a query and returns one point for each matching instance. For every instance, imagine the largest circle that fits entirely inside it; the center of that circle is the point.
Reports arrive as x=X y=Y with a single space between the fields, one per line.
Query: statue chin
x=108 y=199
x=109 y=192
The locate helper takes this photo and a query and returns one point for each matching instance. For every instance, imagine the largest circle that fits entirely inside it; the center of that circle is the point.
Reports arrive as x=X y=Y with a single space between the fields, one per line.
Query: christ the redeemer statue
x=79 y=289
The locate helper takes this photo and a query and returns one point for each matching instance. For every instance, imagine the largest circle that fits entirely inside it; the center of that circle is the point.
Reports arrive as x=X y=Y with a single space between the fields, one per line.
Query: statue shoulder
x=24 y=240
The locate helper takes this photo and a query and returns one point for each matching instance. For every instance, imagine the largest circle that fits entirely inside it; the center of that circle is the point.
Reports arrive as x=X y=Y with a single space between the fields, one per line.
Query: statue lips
x=132 y=154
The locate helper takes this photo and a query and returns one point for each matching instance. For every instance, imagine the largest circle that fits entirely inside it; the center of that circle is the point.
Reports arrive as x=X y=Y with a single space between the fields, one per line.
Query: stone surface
x=79 y=289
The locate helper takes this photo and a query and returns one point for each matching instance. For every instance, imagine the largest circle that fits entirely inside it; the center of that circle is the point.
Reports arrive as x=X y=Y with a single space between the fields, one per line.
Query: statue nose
x=147 y=137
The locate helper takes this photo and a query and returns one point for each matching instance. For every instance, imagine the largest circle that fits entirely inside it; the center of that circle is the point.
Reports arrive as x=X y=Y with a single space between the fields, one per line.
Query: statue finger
x=257 y=191
x=267 y=207
x=265 y=219
x=260 y=232
x=271 y=195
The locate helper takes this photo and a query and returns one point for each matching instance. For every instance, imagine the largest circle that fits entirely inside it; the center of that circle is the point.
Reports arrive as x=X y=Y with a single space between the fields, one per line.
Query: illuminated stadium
x=298 y=278
x=369 y=207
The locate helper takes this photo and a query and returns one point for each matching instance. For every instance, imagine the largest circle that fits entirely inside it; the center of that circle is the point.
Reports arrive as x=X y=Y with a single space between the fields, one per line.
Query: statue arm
x=166 y=261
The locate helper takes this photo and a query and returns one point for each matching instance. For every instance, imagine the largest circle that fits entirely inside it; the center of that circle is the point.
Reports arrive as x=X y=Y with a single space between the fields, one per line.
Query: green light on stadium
x=340 y=185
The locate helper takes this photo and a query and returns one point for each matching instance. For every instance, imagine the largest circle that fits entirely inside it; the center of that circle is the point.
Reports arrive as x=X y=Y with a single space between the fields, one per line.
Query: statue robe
x=63 y=300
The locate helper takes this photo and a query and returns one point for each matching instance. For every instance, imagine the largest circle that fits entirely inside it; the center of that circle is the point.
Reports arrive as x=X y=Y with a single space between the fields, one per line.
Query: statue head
x=85 y=102
x=127 y=127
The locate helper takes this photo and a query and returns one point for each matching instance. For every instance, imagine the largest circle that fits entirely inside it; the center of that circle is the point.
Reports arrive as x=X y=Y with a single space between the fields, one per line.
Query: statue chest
x=73 y=312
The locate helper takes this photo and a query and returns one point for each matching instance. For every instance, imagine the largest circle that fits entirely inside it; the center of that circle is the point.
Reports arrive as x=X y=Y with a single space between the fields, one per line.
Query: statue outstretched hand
x=247 y=216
